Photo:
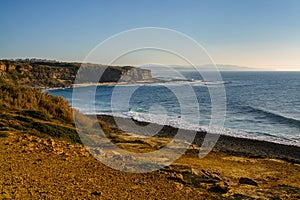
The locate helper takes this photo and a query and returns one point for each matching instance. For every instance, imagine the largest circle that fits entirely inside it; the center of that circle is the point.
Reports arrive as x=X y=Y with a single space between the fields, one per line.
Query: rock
x=177 y=177
x=2 y=66
x=53 y=143
x=219 y=187
x=84 y=153
x=140 y=182
x=96 y=193
x=205 y=174
x=11 y=67
x=195 y=171
x=247 y=181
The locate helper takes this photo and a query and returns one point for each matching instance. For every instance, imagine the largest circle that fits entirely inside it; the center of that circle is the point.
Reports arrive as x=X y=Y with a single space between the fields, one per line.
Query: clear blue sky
x=257 y=33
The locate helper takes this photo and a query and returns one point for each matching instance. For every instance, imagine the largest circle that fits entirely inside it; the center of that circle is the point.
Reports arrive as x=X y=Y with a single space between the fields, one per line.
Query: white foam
x=179 y=123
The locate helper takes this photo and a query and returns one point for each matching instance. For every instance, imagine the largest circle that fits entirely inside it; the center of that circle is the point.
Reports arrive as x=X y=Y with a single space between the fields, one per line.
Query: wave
x=54 y=89
x=217 y=82
x=192 y=82
x=273 y=116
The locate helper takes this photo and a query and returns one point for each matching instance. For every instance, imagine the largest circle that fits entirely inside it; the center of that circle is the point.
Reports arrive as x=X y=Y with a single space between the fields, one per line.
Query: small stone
x=96 y=193
x=140 y=182
x=177 y=177
x=195 y=171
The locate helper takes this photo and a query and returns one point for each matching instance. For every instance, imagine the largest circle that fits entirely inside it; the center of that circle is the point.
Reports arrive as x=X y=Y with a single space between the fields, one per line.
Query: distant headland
x=41 y=73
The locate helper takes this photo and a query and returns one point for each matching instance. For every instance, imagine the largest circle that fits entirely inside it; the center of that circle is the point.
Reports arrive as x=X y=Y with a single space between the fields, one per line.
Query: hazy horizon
x=221 y=66
x=252 y=33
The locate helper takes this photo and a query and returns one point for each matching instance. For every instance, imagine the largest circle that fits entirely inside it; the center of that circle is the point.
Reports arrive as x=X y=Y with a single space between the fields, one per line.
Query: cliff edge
x=47 y=74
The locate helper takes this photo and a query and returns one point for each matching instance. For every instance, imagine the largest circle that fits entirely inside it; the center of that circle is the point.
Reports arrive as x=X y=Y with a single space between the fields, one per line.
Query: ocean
x=260 y=105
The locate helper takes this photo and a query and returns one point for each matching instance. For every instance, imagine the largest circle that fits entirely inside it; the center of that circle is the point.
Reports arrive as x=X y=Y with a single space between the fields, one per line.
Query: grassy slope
x=26 y=110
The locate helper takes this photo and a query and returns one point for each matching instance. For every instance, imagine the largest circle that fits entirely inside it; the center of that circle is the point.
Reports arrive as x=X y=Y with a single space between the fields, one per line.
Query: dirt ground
x=45 y=168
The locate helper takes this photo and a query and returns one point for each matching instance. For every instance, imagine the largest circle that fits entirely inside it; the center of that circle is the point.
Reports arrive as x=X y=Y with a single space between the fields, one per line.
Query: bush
x=37 y=104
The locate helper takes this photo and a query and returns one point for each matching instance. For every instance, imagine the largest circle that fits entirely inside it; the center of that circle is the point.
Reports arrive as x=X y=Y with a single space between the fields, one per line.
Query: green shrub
x=55 y=131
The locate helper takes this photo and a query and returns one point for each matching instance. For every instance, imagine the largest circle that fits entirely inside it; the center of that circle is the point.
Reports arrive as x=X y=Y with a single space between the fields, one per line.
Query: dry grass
x=17 y=98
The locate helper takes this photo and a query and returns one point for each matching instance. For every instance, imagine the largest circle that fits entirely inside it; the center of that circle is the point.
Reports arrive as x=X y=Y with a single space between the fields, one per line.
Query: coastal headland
x=53 y=74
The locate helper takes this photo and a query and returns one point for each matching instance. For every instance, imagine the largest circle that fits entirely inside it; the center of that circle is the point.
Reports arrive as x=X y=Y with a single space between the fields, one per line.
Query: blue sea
x=260 y=105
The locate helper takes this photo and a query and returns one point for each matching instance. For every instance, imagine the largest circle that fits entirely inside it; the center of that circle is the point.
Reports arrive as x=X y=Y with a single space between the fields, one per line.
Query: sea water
x=260 y=105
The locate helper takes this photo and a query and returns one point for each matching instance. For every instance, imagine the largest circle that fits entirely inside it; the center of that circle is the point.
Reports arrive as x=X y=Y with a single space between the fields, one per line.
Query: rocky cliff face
x=58 y=74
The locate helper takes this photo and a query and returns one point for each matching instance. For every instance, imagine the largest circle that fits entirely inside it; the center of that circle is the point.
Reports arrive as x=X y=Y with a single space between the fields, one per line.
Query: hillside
x=25 y=110
x=47 y=74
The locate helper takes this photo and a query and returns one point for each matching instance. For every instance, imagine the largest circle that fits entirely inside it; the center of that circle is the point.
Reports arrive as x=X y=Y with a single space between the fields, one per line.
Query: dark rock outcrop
x=247 y=181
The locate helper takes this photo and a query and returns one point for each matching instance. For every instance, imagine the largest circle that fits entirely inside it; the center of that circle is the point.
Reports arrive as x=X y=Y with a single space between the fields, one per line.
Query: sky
x=263 y=34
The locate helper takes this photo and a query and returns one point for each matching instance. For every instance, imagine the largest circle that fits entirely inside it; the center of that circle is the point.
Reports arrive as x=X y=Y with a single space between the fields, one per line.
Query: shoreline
x=101 y=84
x=227 y=144
x=194 y=130
x=272 y=138
x=233 y=145
x=115 y=83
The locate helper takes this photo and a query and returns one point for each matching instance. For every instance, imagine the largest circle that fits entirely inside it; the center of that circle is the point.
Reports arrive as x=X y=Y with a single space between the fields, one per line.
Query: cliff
x=44 y=74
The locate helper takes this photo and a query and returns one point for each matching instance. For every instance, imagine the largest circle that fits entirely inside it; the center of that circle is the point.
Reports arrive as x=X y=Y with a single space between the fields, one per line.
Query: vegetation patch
x=36 y=114
x=29 y=110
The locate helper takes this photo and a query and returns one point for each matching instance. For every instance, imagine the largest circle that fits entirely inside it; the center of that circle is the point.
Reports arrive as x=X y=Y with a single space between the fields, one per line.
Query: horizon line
x=244 y=68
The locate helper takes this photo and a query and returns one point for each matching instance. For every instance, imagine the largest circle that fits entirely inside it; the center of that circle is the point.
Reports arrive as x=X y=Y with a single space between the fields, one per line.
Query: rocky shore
x=227 y=144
